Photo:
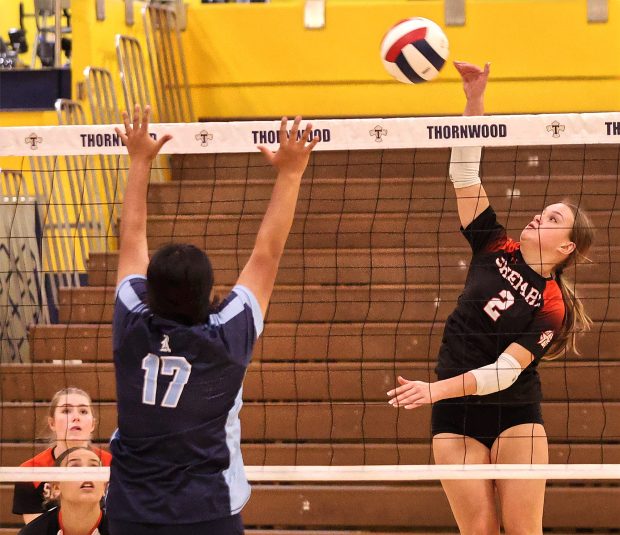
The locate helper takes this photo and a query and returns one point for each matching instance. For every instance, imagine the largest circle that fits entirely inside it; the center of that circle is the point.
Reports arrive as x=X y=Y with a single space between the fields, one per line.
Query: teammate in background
x=515 y=308
x=71 y=421
x=76 y=505
x=180 y=361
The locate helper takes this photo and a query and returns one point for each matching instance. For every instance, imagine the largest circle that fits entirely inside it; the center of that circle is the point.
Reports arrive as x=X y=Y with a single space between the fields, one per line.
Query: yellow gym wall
x=257 y=60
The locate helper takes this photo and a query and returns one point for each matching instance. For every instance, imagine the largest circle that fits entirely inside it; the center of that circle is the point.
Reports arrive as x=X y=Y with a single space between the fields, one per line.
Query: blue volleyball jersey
x=176 y=452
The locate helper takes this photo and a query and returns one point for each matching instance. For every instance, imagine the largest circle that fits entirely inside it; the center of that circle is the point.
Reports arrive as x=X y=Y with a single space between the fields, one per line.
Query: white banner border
x=334 y=134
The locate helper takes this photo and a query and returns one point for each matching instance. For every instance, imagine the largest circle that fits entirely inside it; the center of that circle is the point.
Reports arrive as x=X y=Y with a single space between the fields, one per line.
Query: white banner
x=333 y=134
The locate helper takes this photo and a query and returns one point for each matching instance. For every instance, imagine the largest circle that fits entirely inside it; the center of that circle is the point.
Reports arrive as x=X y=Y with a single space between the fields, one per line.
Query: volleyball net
x=373 y=266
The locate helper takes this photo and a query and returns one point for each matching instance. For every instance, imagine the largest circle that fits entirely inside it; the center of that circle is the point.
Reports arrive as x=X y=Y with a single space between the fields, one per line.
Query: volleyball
x=414 y=50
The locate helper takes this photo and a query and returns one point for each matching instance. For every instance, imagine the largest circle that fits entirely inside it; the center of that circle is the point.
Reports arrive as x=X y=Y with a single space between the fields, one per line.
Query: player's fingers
x=406 y=397
x=467 y=69
x=306 y=134
x=126 y=122
x=136 y=117
x=266 y=152
x=283 y=135
x=145 y=118
x=312 y=143
x=400 y=389
x=163 y=141
x=295 y=128
x=120 y=134
x=405 y=401
x=487 y=68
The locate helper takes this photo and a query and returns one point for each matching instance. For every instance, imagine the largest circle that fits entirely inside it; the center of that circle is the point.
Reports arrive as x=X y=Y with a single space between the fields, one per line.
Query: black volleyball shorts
x=481 y=421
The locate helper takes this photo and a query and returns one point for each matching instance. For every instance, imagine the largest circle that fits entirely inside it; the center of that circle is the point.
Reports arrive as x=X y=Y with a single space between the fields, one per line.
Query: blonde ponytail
x=576 y=319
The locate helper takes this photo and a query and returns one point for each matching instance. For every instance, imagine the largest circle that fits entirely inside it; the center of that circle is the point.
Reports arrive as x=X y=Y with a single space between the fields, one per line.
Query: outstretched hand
x=293 y=154
x=136 y=136
x=474 y=78
x=411 y=394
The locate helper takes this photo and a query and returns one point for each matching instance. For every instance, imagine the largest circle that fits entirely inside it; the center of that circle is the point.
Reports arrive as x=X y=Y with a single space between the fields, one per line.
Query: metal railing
x=112 y=169
x=94 y=199
x=178 y=5
x=133 y=74
x=23 y=296
x=169 y=73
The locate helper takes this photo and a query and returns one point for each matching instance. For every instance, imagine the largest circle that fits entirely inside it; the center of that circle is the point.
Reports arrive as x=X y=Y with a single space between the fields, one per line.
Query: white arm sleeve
x=497 y=376
x=465 y=166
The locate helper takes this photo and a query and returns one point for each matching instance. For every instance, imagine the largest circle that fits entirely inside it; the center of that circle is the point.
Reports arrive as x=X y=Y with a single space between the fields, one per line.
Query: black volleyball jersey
x=177 y=451
x=504 y=301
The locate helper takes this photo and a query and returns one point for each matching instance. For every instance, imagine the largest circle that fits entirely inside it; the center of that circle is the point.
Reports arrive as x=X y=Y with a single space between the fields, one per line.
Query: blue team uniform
x=176 y=452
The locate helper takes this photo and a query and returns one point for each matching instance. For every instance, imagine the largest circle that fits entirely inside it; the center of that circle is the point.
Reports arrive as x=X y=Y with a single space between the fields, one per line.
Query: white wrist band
x=465 y=166
x=497 y=376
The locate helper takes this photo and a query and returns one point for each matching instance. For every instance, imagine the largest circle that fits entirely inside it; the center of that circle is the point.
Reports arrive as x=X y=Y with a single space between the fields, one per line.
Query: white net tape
x=334 y=134
x=355 y=473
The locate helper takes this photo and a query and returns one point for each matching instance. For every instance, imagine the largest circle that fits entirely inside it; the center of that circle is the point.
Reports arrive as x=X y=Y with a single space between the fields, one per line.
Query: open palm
x=474 y=78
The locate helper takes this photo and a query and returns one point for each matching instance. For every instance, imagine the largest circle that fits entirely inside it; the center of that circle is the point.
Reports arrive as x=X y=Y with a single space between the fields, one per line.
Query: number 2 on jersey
x=499 y=304
x=178 y=367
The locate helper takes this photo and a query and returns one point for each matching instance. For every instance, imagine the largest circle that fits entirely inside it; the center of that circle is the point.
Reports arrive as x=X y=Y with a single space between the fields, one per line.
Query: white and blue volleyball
x=414 y=50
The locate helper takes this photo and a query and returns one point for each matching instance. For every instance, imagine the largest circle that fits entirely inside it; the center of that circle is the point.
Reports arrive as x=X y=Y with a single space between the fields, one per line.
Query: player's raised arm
x=465 y=161
x=133 y=254
x=290 y=160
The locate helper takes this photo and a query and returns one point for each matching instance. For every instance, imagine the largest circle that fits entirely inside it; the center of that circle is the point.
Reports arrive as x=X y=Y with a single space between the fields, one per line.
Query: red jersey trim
x=504 y=244
x=553 y=302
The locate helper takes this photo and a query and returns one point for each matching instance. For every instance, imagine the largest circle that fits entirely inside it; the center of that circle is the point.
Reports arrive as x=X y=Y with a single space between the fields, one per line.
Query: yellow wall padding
x=258 y=60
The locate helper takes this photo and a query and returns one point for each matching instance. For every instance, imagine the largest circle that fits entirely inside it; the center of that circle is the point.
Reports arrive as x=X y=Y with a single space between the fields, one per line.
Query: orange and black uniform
x=504 y=301
x=28 y=498
x=50 y=523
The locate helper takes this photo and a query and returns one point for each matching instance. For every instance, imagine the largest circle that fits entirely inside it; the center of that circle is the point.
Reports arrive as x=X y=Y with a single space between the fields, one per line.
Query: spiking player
x=516 y=307
x=180 y=360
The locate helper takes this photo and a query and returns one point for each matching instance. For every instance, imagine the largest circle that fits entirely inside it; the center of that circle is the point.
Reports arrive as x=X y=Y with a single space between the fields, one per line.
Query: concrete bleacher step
x=586 y=422
x=310 y=381
x=357 y=303
x=391 y=507
x=350 y=230
x=358 y=266
x=347 y=453
x=308 y=341
x=392 y=192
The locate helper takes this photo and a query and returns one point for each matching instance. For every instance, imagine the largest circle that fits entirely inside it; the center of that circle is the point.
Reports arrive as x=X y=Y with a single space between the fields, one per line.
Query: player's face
x=73 y=418
x=81 y=491
x=551 y=229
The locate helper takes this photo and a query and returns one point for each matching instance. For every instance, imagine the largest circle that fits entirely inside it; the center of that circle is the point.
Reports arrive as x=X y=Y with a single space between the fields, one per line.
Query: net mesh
x=373 y=266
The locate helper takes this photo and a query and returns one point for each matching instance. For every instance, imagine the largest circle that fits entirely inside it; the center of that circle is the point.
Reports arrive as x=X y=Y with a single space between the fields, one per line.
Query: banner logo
x=467 y=131
x=204 y=137
x=273 y=136
x=33 y=140
x=378 y=132
x=556 y=128
x=613 y=128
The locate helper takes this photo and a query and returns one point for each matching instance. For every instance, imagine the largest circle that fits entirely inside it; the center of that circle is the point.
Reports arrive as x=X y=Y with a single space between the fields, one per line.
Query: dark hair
x=179 y=283
x=61 y=458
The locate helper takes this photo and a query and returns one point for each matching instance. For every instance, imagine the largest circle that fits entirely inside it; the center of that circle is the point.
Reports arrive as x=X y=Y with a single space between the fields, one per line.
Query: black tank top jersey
x=503 y=301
